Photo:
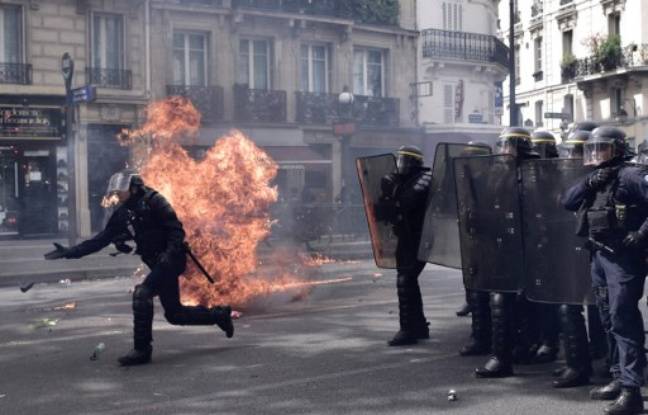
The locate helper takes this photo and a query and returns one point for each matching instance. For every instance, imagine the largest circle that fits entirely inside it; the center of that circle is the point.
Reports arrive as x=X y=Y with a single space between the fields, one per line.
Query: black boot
x=202 y=316
x=403 y=338
x=629 y=402
x=464 y=310
x=501 y=363
x=136 y=357
x=494 y=368
x=546 y=353
x=579 y=366
x=608 y=392
x=481 y=335
x=223 y=318
x=422 y=331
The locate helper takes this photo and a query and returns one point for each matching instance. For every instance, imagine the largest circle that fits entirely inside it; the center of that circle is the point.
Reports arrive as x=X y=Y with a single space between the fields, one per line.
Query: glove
x=58 y=253
x=599 y=178
x=123 y=247
x=388 y=184
x=634 y=240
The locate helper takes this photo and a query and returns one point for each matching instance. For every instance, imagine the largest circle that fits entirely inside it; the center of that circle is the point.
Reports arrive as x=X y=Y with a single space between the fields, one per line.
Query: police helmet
x=572 y=147
x=642 y=152
x=515 y=141
x=123 y=181
x=585 y=126
x=408 y=159
x=606 y=144
x=544 y=143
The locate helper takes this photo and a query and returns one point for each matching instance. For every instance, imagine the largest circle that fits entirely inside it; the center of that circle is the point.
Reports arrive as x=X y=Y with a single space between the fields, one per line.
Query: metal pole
x=513 y=113
x=345 y=142
x=67 y=68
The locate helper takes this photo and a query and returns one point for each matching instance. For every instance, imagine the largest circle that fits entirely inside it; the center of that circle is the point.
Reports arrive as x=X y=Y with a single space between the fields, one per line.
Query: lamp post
x=344 y=129
x=67 y=70
x=513 y=110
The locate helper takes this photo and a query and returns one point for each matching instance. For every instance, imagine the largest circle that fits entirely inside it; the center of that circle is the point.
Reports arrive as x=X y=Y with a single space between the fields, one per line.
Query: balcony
x=464 y=46
x=315 y=108
x=109 y=78
x=15 y=73
x=319 y=7
x=376 y=111
x=208 y=100
x=259 y=105
x=630 y=57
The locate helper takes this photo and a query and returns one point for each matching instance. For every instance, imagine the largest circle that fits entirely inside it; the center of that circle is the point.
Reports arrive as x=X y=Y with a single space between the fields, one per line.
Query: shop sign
x=29 y=123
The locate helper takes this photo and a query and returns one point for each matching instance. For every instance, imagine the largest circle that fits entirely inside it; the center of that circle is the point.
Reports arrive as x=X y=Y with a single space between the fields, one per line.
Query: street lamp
x=67 y=70
x=344 y=129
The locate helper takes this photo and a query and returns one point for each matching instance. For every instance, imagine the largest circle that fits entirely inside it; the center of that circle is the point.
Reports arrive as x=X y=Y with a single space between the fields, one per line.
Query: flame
x=223 y=202
x=109 y=201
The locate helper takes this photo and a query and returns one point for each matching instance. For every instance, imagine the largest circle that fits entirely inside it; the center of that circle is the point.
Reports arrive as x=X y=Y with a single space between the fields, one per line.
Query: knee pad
x=142 y=298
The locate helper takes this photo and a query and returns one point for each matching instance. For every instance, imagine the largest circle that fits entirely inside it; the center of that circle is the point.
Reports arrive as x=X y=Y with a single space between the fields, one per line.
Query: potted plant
x=609 y=53
x=568 y=67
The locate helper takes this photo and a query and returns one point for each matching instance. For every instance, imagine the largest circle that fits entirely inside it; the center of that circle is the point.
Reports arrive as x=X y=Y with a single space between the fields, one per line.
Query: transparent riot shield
x=490 y=235
x=557 y=268
x=371 y=171
x=440 y=237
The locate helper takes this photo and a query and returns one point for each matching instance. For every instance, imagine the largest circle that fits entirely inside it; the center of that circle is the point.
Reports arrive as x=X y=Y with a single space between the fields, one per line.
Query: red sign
x=344 y=128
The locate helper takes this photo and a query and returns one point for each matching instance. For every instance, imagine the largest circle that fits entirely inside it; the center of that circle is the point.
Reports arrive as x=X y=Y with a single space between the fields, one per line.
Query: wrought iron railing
x=15 y=73
x=465 y=46
x=376 y=111
x=315 y=108
x=564 y=2
x=110 y=78
x=316 y=7
x=208 y=100
x=259 y=105
x=629 y=57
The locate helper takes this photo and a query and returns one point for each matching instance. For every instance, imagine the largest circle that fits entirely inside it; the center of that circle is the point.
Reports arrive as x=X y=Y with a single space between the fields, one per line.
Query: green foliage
x=610 y=48
x=568 y=61
x=383 y=12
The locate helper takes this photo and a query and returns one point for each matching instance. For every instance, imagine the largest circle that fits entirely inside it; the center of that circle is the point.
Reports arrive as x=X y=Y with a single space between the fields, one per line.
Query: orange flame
x=223 y=202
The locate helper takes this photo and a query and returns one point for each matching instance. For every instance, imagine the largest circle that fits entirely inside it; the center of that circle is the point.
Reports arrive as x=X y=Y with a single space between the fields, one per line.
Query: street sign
x=85 y=94
x=476 y=118
x=344 y=129
x=559 y=115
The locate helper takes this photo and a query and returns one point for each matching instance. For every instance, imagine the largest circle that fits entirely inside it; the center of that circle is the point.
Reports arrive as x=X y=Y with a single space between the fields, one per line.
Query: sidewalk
x=22 y=262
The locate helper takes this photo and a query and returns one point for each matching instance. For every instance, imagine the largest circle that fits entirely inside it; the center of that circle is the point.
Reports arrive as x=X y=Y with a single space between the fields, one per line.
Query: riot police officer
x=509 y=311
x=145 y=216
x=402 y=203
x=612 y=203
x=642 y=153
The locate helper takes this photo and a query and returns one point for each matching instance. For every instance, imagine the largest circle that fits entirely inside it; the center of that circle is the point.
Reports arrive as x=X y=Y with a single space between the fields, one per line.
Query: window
x=448 y=103
x=614 y=24
x=537 y=44
x=517 y=64
x=11 y=34
x=107 y=41
x=567 y=42
x=189 y=59
x=539 y=113
x=452 y=16
x=368 y=72
x=314 y=64
x=616 y=102
x=254 y=63
x=568 y=107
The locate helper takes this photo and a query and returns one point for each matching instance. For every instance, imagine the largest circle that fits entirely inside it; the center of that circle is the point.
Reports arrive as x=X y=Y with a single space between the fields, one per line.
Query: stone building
x=581 y=60
x=272 y=68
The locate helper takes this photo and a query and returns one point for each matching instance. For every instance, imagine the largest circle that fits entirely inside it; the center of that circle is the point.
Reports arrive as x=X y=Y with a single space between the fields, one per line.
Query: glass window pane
x=303 y=70
x=113 y=42
x=375 y=57
x=319 y=52
x=374 y=74
x=244 y=62
x=178 y=40
x=358 y=72
x=178 y=67
x=197 y=42
x=98 y=41
x=197 y=68
x=12 y=34
x=319 y=76
x=260 y=72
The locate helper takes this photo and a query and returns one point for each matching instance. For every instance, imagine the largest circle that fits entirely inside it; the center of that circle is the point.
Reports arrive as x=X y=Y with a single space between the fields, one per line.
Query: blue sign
x=476 y=118
x=85 y=94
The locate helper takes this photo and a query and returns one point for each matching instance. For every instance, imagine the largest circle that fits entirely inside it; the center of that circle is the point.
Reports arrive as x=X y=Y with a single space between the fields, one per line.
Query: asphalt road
x=324 y=354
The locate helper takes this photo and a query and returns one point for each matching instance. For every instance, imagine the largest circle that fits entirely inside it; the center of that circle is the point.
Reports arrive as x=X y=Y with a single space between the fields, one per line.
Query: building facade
x=272 y=68
x=461 y=69
x=581 y=59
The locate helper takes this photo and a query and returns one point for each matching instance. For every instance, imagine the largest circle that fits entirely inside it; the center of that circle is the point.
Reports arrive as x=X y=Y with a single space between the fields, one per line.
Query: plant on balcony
x=568 y=67
x=383 y=12
x=606 y=51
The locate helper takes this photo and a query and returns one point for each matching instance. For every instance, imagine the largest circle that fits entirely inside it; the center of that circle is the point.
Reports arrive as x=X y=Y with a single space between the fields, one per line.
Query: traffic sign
x=559 y=115
x=84 y=94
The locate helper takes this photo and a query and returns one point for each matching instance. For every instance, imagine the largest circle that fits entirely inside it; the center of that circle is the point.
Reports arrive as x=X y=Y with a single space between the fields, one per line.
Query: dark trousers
x=618 y=282
x=410 y=303
x=162 y=281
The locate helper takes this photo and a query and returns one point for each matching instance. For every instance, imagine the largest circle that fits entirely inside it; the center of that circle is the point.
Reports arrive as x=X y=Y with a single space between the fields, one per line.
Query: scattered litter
x=26 y=287
x=65 y=281
x=246 y=326
x=97 y=351
x=66 y=307
x=236 y=315
x=46 y=322
x=391 y=312
x=377 y=275
x=2 y=395
x=452 y=395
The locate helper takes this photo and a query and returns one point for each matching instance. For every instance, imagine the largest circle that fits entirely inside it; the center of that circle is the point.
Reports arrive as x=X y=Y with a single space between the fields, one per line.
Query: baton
x=601 y=246
x=198 y=264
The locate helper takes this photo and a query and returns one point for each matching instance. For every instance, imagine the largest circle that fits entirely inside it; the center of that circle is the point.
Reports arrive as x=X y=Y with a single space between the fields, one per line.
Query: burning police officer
x=612 y=203
x=402 y=203
x=145 y=216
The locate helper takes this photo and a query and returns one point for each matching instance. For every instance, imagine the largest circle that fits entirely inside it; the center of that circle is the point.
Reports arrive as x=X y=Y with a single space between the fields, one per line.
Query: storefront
x=33 y=171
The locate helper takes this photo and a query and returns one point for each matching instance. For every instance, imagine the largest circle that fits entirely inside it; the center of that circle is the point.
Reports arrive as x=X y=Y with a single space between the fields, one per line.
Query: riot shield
x=557 y=268
x=371 y=170
x=440 y=237
x=490 y=234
